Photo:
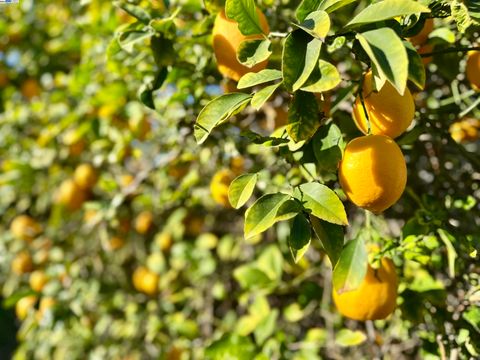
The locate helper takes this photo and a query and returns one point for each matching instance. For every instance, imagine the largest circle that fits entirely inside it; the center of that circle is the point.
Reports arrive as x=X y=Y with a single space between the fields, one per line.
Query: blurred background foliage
x=143 y=262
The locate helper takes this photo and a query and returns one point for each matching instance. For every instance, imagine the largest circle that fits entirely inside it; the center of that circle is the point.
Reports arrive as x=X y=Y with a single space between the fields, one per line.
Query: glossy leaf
x=244 y=12
x=255 y=78
x=303 y=116
x=322 y=202
x=316 y=24
x=300 y=236
x=416 y=69
x=241 y=188
x=252 y=52
x=263 y=95
x=217 y=111
x=324 y=77
x=331 y=236
x=351 y=267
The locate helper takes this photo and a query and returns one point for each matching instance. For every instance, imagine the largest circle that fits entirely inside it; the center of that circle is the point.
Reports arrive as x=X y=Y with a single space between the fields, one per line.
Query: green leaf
x=324 y=77
x=388 y=55
x=250 y=277
x=322 y=202
x=331 y=236
x=300 y=236
x=447 y=239
x=255 y=78
x=312 y=54
x=347 y=337
x=327 y=146
x=163 y=52
x=128 y=39
x=472 y=316
x=303 y=116
x=387 y=9
x=463 y=17
x=288 y=210
x=217 y=111
x=252 y=52
x=263 y=95
x=316 y=24
x=332 y=5
x=266 y=327
x=136 y=11
x=241 y=189
x=305 y=8
x=416 y=69
x=351 y=267
x=146 y=91
x=270 y=262
x=262 y=214
x=231 y=346
x=244 y=12
x=300 y=55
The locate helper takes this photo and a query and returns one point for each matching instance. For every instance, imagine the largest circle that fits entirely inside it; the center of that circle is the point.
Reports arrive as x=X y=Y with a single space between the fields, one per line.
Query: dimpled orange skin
x=473 y=69
x=226 y=40
x=376 y=296
x=373 y=173
x=219 y=186
x=389 y=112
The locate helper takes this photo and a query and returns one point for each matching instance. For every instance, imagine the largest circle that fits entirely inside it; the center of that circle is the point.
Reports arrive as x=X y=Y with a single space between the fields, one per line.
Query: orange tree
x=241 y=179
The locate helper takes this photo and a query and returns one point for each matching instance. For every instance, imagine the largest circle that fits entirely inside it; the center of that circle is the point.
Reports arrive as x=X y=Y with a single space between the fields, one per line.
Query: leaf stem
x=450 y=50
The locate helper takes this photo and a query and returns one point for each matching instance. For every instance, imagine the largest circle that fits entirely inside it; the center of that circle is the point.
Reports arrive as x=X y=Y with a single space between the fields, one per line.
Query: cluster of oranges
x=465 y=130
x=73 y=192
x=27 y=229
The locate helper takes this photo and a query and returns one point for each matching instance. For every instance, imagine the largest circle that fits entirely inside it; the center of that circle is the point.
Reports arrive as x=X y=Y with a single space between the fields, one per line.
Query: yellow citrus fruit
x=38 y=280
x=115 y=243
x=71 y=195
x=85 y=176
x=193 y=224
x=24 y=306
x=139 y=127
x=373 y=173
x=226 y=41
x=465 y=130
x=219 y=186
x=22 y=263
x=422 y=37
x=26 y=228
x=46 y=304
x=473 y=69
x=144 y=222
x=389 y=112
x=30 y=88
x=376 y=296
x=164 y=241
x=145 y=280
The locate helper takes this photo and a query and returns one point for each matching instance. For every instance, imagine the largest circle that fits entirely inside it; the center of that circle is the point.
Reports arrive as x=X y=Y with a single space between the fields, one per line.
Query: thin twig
x=450 y=50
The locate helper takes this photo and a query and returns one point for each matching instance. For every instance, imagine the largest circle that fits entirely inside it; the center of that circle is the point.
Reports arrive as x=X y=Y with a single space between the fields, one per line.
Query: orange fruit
x=473 y=69
x=145 y=280
x=376 y=296
x=425 y=49
x=389 y=112
x=38 y=280
x=226 y=41
x=24 y=306
x=373 y=173
x=144 y=222
x=30 y=88
x=164 y=241
x=115 y=243
x=22 y=263
x=422 y=37
x=219 y=186
x=71 y=195
x=85 y=176
x=25 y=227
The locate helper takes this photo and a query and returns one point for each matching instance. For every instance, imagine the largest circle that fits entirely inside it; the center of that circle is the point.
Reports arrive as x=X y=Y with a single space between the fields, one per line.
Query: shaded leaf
x=252 y=52
x=324 y=77
x=316 y=24
x=416 y=69
x=351 y=267
x=241 y=188
x=263 y=95
x=331 y=236
x=303 y=116
x=300 y=236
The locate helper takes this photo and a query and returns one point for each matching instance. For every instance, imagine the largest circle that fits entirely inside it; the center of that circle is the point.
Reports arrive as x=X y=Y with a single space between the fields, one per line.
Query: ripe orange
x=164 y=241
x=473 y=69
x=71 y=195
x=22 y=263
x=219 y=186
x=389 y=112
x=85 y=176
x=422 y=37
x=373 y=173
x=226 y=41
x=144 y=222
x=425 y=49
x=465 y=130
x=38 y=280
x=26 y=228
x=145 y=280
x=30 y=88
x=376 y=296
x=24 y=306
